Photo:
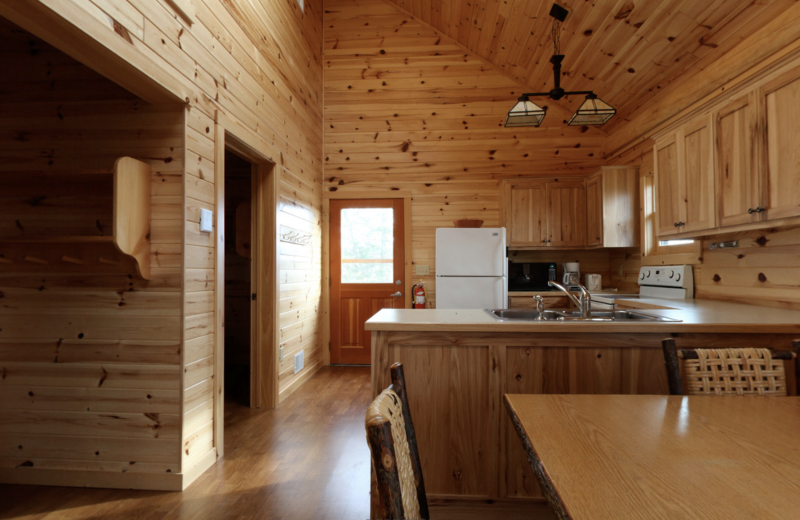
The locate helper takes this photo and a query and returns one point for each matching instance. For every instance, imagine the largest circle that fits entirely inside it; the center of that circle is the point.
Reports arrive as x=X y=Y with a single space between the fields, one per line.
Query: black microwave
x=530 y=276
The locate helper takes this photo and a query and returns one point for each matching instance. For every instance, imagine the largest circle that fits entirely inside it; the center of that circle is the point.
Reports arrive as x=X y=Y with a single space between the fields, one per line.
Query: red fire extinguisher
x=420 y=295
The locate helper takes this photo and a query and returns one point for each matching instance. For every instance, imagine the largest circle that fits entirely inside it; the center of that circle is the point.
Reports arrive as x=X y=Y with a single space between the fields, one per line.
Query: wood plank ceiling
x=625 y=50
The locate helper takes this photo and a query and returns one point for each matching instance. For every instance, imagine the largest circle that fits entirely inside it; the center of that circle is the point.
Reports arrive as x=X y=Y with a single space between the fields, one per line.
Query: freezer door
x=463 y=292
x=471 y=252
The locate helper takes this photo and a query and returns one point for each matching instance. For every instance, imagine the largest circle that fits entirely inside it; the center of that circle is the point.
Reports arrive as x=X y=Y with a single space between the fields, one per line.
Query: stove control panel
x=677 y=276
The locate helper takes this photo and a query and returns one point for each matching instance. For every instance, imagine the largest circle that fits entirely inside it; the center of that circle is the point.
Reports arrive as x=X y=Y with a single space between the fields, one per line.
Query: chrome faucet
x=583 y=303
x=539 y=307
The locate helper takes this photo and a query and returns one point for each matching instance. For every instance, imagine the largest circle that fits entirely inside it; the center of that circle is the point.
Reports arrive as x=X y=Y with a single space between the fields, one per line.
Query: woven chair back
x=734 y=371
x=387 y=408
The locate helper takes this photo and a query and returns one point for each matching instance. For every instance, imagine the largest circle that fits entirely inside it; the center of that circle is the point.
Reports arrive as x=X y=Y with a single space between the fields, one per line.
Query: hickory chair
x=395 y=458
x=729 y=371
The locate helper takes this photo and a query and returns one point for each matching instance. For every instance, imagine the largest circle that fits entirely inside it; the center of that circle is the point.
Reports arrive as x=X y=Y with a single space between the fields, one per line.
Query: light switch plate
x=423 y=270
x=206 y=217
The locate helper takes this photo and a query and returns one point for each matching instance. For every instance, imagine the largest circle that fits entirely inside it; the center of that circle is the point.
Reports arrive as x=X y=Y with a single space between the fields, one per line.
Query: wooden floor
x=308 y=459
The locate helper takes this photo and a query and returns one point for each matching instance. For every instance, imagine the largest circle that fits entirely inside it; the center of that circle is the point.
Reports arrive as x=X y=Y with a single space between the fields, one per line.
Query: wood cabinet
x=696 y=177
x=599 y=211
x=612 y=209
x=527 y=302
x=594 y=211
x=736 y=167
x=738 y=188
x=685 y=179
x=541 y=213
x=525 y=213
x=566 y=214
x=780 y=102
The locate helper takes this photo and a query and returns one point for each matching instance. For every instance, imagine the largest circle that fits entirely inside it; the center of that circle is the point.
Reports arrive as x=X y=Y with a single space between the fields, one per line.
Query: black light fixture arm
x=558 y=92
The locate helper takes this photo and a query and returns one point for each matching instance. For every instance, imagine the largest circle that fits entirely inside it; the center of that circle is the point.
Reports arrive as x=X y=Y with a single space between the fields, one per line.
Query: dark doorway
x=238 y=278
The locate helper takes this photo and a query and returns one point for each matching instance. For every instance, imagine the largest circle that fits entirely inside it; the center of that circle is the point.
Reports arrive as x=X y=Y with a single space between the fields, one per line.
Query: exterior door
x=367 y=272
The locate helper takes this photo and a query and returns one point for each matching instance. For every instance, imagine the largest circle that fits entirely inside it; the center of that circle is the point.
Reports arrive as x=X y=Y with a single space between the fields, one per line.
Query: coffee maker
x=571 y=270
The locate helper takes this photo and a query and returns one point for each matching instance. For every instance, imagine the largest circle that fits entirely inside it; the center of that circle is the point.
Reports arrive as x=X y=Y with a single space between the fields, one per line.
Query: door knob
x=396 y=295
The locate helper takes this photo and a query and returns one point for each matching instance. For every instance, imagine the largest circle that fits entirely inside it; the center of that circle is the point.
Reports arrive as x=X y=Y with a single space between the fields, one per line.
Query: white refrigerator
x=471 y=268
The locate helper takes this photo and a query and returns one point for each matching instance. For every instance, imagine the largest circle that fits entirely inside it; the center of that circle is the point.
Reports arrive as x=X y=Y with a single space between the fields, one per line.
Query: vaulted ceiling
x=624 y=50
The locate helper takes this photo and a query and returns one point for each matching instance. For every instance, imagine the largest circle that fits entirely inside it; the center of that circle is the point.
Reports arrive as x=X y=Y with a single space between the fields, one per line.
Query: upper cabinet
x=736 y=167
x=544 y=213
x=612 y=209
x=566 y=214
x=780 y=99
x=524 y=212
x=738 y=190
x=594 y=211
x=599 y=211
x=685 y=179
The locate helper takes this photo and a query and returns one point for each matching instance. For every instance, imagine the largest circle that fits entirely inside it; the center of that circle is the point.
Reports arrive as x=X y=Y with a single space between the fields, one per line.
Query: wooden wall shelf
x=36 y=213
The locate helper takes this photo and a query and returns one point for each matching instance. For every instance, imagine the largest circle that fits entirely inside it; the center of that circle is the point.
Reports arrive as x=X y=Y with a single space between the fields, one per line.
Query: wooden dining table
x=648 y=457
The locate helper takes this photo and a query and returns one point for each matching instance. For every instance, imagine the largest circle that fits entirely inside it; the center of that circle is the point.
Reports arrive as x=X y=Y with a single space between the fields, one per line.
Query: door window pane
x=367 y=245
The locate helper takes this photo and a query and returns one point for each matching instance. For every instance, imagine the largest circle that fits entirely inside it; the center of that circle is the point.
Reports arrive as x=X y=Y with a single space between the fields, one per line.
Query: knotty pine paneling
x=90 y=358
x=409 y=109
x=627 y=52
x=258 y=65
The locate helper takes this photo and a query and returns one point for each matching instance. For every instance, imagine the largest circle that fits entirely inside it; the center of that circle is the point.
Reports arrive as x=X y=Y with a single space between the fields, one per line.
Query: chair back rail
x=395 y=456
x=748 y=371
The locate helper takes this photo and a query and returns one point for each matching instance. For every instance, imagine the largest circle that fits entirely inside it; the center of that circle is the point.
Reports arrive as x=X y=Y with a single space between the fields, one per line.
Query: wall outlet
x=298 y=362
x=206 y=217
x=423 y=270
x=281 y=353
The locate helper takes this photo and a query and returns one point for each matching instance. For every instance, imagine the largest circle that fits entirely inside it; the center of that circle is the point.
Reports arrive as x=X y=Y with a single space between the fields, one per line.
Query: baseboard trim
x=458 y=507
x=92 y=479
x=298 y=382
x=198 y=467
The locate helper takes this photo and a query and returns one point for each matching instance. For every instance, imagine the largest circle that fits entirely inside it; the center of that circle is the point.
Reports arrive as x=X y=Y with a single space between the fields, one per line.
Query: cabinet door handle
x=676 y=224
x=751 y=210
x=760 y=209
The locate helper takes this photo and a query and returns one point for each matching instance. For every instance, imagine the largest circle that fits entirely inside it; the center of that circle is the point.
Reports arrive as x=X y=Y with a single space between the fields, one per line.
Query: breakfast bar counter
x=459 y=364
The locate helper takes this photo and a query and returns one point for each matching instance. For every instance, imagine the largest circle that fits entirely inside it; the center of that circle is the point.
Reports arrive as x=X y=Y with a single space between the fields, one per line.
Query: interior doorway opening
x=238 y=279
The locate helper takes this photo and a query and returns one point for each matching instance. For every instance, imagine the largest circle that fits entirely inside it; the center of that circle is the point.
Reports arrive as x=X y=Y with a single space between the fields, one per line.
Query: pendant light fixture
x=593 y=111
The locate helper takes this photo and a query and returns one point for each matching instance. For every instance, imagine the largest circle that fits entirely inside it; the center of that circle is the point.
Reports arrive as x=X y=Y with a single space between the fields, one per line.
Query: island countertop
x=706 y=316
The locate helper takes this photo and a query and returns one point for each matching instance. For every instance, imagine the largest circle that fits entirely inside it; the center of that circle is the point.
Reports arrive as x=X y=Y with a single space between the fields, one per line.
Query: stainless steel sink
x=522 y=314
x=550 y=315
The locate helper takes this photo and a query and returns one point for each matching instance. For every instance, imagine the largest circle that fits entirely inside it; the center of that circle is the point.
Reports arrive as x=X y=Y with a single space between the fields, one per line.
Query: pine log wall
x=257 y=65
x=410 y=111
x=90 y=354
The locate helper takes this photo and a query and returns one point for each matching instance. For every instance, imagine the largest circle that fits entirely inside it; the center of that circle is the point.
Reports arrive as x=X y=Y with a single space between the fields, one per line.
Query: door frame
x=265 y=282
x=326 y=253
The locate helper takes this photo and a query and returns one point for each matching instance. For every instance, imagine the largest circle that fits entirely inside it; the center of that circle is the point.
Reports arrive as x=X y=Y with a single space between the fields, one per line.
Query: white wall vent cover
x=298 y=362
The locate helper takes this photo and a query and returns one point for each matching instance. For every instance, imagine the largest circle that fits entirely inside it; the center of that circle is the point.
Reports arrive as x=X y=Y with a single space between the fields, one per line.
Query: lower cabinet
x=456 y=382
x=527 y=302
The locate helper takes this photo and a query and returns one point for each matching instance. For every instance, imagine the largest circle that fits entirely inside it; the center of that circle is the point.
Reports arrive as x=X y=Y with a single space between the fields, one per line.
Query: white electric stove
x=672 y=282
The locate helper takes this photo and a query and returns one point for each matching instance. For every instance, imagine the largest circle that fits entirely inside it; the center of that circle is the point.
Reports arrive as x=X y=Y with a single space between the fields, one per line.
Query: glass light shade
x=525 y=113
x=593 y=111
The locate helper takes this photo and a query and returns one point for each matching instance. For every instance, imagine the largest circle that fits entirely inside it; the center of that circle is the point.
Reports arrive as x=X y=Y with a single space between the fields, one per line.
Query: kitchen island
x=460 y=363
